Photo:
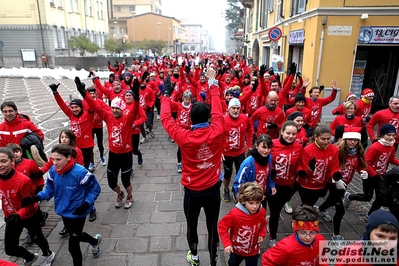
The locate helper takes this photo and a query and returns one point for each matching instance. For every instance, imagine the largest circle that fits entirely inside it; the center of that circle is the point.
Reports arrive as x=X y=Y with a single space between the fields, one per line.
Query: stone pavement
x=153 y=231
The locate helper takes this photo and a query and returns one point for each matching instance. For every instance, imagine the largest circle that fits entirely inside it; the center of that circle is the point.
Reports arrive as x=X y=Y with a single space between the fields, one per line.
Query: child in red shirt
x=247 y=216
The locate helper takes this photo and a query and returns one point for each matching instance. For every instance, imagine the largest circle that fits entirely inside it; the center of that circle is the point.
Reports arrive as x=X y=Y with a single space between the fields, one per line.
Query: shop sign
x=359 y=69
x=339 y=30
x=378 y=35
x=296 y=37
x=277 y=63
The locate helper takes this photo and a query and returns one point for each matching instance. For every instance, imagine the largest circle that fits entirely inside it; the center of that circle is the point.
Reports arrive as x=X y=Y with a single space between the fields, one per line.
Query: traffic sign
x=275 y=33
x=273 y=45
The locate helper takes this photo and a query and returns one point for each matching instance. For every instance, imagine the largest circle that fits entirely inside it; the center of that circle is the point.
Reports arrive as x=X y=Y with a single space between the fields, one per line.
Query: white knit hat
x=234 y=102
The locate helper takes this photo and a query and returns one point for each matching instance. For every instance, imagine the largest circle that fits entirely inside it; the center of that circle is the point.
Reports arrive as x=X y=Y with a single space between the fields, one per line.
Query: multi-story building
x=353 y=41
x=157 y=27
x=204 y=40
x=122 y=10
x=193 y=37
x=30 y=29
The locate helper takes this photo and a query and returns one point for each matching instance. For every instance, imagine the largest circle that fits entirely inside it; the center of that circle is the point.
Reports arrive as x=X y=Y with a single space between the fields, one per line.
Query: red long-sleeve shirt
x=266 y=116
x=147 y=98
x=241 y=230
x=286 y=158
x=237 y=132
x=15 y=130
x=341 y=120
x=316 y=107
x=80 y=125
x=201 y=148
x=351 y=165
x=12 y=191
x=28 y=167
x=183 y=117
x=108 y=92
x=377 y=158
x=382 y=117
x=326 y=164
x=363 y=109
x=140 y=119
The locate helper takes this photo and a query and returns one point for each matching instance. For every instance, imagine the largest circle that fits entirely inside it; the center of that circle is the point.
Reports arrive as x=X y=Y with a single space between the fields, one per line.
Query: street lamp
x=159 y=26
x=167 y=50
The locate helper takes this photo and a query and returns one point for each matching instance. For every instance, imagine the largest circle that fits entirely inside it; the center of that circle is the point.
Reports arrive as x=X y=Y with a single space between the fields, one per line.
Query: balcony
x=247 y=3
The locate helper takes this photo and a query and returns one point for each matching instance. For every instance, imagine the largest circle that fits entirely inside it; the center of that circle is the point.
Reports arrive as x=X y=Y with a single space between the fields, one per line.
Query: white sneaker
x=158 y=117
x=47 y=260
x=96 y=249
x=288 y=208
x=129 y=202
x=143 y=140
x=118 y=202
x=103 y=162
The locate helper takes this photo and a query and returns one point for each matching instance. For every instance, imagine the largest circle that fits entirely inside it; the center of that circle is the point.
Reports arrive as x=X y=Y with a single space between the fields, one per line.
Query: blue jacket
x=70 y=190
x=247 y=173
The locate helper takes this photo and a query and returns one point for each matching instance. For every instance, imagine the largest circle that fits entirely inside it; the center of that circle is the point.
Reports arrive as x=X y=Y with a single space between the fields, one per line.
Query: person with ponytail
x=74 y=189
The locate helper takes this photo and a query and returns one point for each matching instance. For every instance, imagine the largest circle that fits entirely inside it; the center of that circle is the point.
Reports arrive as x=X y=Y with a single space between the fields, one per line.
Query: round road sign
x=275 y=33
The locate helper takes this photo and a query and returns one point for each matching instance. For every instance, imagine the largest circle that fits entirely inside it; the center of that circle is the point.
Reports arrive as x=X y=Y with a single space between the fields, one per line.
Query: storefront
x=377 y=63
x=295 y=50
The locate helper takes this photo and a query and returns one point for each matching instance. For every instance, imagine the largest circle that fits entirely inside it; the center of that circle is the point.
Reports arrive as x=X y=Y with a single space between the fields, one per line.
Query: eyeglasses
x=310 y=233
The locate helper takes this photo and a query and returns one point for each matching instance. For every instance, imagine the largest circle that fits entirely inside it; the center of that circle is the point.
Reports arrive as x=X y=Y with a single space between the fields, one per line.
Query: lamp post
x=167 y=50
x=159 y=26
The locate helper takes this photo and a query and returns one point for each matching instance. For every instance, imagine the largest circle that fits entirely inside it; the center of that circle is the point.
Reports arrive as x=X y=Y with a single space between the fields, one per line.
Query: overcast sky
x=209 y=13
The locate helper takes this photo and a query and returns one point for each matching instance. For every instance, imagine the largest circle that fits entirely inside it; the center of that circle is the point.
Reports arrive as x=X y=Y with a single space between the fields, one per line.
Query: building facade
x=193 y=37
x=355 y=42
x=32 y=30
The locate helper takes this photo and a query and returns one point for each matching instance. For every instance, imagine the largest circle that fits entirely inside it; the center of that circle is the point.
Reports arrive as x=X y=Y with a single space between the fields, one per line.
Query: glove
x=136 y=90
x=340 y=185
x=321 y=88
x=271 y=72
x=13 y=218
x=36 y=175
x=82 y=209
x=90 y=74
x=302 y=173
x=254 y=85
x=145 y=75
x=312 y=164
x=54 y=87
x=109 y=63
x=80 y=86
x=366 y=119
x=29 y=200
x=203 y=95
x=299 y=75
x=293 y=69
x=117 y=62
x=188 y=69
x=262 y=70
x=167 y=87
x=364 y=174
x=336 y=112
x=271 y=126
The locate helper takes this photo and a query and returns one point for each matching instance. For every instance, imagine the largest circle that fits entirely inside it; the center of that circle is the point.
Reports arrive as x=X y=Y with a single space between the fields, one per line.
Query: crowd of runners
x=217 y=109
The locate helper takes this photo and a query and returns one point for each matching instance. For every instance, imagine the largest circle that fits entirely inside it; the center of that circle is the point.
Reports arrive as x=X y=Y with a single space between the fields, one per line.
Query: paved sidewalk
x=153 y=231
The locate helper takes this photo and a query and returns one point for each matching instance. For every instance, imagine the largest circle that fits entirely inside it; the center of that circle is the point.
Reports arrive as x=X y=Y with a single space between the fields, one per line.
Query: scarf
x=263 y=161
x=67 y=167
x=385 y=142
x=7 y=176
x=350 y=151
x=200 y=125
x=186 y=106
x=349 y=117
x=285 y=143
x=366 y=101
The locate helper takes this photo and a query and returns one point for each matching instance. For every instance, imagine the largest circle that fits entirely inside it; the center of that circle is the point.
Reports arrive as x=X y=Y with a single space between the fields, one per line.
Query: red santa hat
x=350 y=95
x=352 y=133
x=367 y=93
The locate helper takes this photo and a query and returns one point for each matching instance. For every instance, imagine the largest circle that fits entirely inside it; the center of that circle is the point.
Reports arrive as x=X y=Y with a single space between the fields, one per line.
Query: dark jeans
x=76 y=235
x=369 y=186
x=87 y=156
x=310 y=196
x=228 y=164
x=116 y=162
x=276 y=203
x=192 y=204
x=13 y=232
x=334 y=199
x=235 y=260
x=150 y=119
x=98 y=132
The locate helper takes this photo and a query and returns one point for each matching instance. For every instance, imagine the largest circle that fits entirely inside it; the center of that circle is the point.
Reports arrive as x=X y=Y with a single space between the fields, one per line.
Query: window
x=297 y=7
x=92 y=36
x=118 y=9
x=278 y=17
x=112 y=30
x=51 y=2
x=55 y=37
x=98 y=9
x=101 y=11
x=271 y=5
x=251 y=15
x=132 y=8
x=76 y=6
x=89 y=8
x=59 y=3
x=265 y=14
x=63 y=42
x=69 y=6
x=122 y=30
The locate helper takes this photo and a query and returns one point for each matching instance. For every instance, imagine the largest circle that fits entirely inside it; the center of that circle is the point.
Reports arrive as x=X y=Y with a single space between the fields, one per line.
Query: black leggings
x=235 y=260
x=311 y=196
x=158 y=105
x=276 y=203
x=99 y=135
x=178 y=154
x=13 y=232
x=192 y=204
x=364 y=137
x=228 y=164
x=334 y=199
x=142 y=130
x=150 y=120
x=116 y=162
x=135 y=145
x=87 y=156
x=369 y=186
x=76 y=235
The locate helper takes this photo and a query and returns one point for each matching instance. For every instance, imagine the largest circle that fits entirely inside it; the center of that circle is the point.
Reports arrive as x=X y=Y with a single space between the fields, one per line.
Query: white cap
x=234 y=102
